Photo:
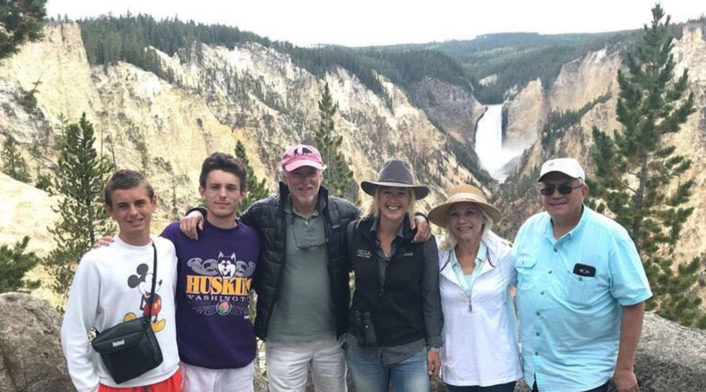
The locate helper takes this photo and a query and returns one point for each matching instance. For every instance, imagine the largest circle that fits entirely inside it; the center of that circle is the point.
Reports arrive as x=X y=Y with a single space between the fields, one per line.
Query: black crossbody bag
x=130 y=349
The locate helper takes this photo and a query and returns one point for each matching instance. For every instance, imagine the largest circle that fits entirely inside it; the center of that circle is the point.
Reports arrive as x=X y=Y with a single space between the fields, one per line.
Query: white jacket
x=111 y=283
x=480 y=346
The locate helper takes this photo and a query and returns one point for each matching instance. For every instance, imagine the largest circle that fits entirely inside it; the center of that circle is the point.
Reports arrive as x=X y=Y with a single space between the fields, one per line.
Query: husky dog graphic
x=226 y=265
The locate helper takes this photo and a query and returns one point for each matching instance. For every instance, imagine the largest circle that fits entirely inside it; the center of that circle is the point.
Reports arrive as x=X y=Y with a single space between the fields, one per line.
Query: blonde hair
x=450 y=241
x=372 y=209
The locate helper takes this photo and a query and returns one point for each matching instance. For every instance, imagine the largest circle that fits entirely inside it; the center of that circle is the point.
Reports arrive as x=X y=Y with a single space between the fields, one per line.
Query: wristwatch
x=433 y=349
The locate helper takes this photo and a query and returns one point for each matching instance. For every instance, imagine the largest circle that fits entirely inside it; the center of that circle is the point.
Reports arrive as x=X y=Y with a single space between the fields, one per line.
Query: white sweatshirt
x=112 y=283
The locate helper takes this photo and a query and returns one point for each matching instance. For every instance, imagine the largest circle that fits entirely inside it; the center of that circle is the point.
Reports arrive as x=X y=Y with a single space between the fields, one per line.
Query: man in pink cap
x=302 y=276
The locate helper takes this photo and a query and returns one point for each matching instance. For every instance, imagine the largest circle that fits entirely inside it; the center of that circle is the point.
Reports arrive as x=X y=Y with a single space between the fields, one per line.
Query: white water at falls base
x=489 y=144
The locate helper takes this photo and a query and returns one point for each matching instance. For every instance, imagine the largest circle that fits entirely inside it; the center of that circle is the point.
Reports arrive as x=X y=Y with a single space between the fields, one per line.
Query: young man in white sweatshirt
x=112 y=285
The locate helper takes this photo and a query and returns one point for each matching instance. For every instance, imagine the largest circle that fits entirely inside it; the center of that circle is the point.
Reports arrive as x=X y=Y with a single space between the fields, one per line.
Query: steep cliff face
x=26 y=211
x=584 y=80
x=690 y=53
x=525 y=114
x=57 y=65
x=450 y=107
x=251 y=93
x=578 y=83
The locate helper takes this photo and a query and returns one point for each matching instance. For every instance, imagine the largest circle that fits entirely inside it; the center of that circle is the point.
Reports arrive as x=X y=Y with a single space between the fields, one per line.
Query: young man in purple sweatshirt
x=214 y=332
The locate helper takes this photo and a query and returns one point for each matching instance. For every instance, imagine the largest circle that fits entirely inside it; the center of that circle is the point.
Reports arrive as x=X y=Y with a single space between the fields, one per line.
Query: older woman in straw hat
x=395 y=319
x=476 y=269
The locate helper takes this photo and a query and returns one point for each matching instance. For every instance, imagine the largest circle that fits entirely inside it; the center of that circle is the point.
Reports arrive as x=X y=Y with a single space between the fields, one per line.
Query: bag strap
x=154 y=284
x=154 y=281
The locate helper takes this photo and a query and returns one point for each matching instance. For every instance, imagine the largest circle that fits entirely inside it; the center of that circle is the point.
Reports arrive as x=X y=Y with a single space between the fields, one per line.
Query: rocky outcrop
x=583 y=80
x=579 y=82
x=525 y=115
x=449 y=107
x=690 y=54
x=31 y=358
x=669 y=358
x=28 y=211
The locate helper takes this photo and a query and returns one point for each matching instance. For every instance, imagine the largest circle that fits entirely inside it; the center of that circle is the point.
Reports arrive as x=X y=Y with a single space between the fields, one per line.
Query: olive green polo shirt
x=304 y=308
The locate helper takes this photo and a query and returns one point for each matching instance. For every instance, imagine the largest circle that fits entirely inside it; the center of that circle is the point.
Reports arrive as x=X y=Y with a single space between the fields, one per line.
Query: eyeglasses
x=564 y=189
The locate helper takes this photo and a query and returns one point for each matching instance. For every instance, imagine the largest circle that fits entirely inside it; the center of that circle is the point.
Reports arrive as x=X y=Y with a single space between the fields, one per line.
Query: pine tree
x=639 y=176
x=338 y=177
x=257 y=189
x=12 y=162
x=79 y=180
x=43 y=181
x=14 y=264
x=21 y=21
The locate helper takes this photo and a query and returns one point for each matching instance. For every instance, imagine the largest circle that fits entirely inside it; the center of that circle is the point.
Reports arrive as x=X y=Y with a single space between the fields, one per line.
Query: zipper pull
x=470 y=308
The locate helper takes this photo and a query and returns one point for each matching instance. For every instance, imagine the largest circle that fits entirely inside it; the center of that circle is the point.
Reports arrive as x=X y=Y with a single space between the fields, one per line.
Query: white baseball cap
x=569 y=166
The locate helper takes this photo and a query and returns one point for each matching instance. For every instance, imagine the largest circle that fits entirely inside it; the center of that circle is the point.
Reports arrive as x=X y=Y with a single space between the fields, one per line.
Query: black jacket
x=268 y=218
x=407 y=307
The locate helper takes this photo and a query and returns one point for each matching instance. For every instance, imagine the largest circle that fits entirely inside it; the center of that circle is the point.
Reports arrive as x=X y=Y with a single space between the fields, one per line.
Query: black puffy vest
x=268 y=218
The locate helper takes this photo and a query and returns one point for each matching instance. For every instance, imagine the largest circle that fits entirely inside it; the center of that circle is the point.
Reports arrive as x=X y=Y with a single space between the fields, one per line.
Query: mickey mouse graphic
x=143 y=282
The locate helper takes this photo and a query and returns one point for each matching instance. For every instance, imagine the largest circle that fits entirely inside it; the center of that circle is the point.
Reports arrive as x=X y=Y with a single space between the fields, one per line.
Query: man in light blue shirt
x=581 y=289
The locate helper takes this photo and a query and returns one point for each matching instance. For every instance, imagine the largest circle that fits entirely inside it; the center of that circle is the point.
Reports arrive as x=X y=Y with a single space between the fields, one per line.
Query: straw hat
x=463 y=193
x=395 y=173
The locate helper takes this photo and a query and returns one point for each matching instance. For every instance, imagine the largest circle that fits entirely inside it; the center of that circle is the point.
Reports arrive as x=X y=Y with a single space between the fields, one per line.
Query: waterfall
x=489 y=144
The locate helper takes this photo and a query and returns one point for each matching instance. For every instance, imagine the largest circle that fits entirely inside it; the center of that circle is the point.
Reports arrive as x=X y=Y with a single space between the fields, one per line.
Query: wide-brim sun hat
x=439 y=215
x=397 y=174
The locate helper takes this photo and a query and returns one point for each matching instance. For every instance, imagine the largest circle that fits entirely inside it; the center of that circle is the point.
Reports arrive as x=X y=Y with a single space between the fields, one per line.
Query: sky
x=383 y=22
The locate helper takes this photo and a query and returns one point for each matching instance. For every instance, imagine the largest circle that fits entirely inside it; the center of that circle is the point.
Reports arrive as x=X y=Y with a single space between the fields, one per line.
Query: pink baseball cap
x=301 y=155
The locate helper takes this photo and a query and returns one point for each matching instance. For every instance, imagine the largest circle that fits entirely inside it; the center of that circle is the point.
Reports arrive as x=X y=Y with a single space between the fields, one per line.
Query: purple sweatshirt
x=212 y=295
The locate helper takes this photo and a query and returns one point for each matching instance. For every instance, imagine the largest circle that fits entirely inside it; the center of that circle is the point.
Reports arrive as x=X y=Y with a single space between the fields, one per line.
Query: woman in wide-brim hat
x=476 y=270
x=395 y=320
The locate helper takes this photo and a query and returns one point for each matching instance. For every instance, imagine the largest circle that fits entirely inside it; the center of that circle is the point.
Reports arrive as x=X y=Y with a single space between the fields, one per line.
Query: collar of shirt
x=374 y=228
x=290 y=210
x=467 y=281
x=481 y=257
x=576 y=230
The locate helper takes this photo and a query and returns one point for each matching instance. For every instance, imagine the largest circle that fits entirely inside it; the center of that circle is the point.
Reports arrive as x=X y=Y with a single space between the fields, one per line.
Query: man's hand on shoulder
x=106 y=240
x=421 y=223
x=191 y=224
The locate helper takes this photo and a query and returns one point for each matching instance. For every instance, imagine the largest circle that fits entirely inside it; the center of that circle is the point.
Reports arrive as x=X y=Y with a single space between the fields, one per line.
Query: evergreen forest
x=514 y=58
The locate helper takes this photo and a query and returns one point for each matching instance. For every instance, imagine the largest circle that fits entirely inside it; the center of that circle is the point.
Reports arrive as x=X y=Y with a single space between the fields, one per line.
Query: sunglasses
x=564 y=189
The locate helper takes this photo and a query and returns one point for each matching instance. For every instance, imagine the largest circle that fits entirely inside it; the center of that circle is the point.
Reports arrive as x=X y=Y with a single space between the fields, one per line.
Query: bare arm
x=630 y=330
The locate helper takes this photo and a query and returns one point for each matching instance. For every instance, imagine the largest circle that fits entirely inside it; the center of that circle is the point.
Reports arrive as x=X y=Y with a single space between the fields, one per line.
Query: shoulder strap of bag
x=154 y=281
